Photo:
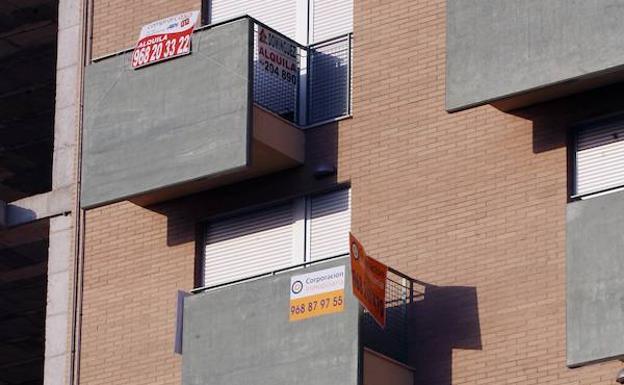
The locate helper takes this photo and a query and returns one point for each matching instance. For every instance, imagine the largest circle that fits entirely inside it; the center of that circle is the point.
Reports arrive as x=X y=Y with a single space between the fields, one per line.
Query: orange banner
x=369 y=280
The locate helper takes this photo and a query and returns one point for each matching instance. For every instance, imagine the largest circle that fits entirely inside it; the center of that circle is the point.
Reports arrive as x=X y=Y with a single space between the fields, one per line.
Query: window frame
x=572 y=158
x=201 y=226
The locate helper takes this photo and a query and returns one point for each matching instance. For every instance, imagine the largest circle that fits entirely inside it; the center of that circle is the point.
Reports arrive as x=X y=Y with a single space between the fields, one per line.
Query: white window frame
x=614 y=121
x=301 y=232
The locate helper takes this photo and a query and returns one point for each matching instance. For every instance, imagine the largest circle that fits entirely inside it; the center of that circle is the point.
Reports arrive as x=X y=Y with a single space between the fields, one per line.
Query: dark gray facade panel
x=169 y=123
x=500 y=48
x=241 y=335
x=595 y=279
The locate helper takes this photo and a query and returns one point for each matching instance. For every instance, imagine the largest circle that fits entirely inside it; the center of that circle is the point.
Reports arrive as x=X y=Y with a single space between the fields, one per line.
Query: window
x=286 y=234
x=321 y=91
x=304 y=21
x=330 y=18
x=599 y=157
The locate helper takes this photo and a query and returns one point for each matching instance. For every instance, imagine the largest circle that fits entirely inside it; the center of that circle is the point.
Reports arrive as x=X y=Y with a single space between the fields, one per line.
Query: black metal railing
x=277 y=72
x=329 y=80
x=305 y=85
x=392 y=340
x=401 y=292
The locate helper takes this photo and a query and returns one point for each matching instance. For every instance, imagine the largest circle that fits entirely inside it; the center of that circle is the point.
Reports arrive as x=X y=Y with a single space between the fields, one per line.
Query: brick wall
x=116 y=23
x=472 y=202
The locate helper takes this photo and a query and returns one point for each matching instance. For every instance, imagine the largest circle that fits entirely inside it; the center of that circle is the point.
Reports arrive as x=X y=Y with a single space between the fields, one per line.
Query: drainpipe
x=79 y=225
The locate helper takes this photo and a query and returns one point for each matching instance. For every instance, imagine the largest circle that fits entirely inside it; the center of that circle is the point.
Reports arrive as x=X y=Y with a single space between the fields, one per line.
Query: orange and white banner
x=317 y=293
x=369 y=281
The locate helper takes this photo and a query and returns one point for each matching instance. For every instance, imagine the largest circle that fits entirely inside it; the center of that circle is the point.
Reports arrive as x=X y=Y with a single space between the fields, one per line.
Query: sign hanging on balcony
x=164 y=39
x=278 y=56
x=317 y=293
x=369 y=281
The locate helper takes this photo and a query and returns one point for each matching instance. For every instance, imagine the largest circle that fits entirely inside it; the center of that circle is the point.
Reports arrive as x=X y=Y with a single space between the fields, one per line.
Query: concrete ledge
x=40 y=206
x=527 y=51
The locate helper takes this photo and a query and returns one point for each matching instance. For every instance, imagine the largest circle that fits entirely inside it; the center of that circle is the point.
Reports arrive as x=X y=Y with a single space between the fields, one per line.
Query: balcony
x=241 y=333
x=595 y=286
x=516 y=53
x=220 y=115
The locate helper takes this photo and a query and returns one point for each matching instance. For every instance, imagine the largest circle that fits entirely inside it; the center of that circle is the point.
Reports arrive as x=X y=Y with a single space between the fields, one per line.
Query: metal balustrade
x=392 y=340
x=304 y=85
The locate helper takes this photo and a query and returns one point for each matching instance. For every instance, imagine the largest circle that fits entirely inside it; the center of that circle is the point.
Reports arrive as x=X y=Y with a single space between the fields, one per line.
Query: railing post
x=302 y=88
x=350 y=37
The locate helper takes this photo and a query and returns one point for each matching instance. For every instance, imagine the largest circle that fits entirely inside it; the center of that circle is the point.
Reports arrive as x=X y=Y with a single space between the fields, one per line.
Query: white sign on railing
x=278 y=56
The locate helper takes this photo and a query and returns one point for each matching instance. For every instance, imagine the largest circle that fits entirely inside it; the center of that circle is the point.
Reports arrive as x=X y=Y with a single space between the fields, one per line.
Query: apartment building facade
x=159 y=217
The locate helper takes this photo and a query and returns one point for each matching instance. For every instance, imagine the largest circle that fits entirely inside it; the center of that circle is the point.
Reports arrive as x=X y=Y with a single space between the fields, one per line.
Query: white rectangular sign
x=317 y=293
x=278 y=56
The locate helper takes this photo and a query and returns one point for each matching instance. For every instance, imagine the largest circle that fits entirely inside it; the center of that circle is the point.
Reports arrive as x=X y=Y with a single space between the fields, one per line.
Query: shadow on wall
x=552 y=120
x=446 y=318
x=185 y=215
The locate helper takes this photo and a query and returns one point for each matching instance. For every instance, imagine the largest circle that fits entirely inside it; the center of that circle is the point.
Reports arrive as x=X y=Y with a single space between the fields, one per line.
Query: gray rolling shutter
x=249 y=244
x=280 y=15
x=600 y=158
x=330 y=222
x=331 y=18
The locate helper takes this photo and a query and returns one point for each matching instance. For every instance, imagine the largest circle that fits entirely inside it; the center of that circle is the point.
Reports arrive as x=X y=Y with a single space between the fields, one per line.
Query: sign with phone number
x=278 y=56
x=317 y=293
x=164 y=39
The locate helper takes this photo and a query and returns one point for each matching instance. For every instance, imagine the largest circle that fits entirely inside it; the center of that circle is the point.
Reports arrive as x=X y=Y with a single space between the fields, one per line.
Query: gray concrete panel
x=496 y=49
x=595 y=279
x=169 y=123
x=241 y=335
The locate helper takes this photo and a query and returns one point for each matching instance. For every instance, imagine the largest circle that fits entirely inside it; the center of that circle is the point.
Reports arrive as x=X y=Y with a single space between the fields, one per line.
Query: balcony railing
x=329 y=80
x=304 y=85
x=401 y=292
x=393 y=340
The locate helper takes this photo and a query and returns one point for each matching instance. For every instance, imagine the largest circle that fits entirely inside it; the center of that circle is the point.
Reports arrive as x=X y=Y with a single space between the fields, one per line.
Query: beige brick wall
x=131 y=278
x=473 y=199
x=476 y=199
x=116 y=23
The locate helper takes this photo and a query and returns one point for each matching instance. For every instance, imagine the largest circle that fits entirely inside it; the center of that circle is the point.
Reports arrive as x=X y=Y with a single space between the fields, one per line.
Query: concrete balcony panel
x=180 y=126
x=241 y=334
x=595 y=279
x=519 y=52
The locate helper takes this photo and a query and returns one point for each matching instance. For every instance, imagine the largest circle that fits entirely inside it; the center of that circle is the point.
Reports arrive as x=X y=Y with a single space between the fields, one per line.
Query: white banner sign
x=317 y=293
x=165 y=39
x=278 y=56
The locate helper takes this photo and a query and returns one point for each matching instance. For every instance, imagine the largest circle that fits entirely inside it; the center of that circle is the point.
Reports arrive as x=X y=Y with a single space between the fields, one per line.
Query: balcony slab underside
x=516 y=53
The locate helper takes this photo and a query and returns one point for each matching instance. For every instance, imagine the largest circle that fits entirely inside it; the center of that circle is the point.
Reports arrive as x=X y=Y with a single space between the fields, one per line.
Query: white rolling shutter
x=600 y=158
x=280 y=15
x=330 y=222
x=331 y=18
x=250 y=244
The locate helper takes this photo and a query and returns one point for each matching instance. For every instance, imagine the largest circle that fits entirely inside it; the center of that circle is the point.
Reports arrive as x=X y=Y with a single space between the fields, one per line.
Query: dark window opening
x=28 y=39
x=23 y=289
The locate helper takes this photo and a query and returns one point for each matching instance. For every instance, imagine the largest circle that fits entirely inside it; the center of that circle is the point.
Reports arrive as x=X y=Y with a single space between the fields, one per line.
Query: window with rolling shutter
x=247 y=244
x=330 y=18
x=280 y=15
x=252 y=243
x=321 y=19
x=599 y=157
x=330 y=222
